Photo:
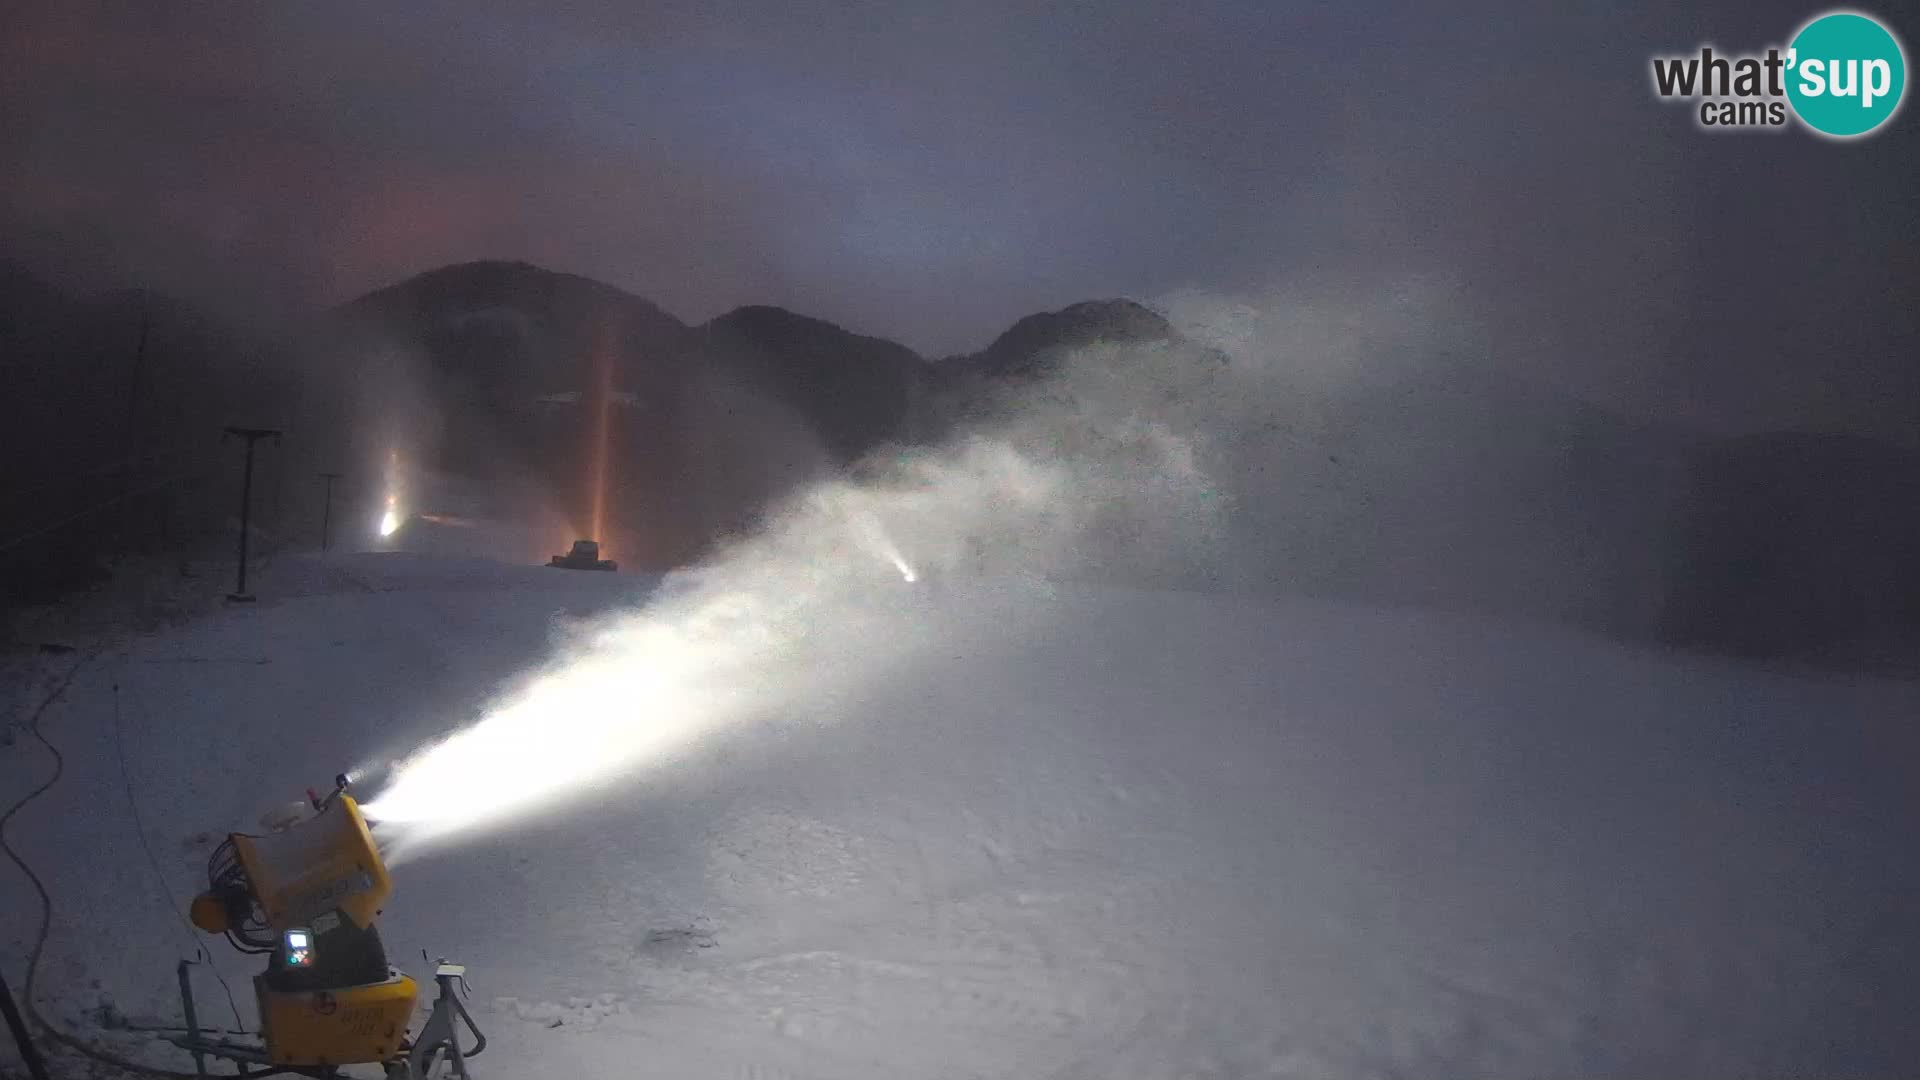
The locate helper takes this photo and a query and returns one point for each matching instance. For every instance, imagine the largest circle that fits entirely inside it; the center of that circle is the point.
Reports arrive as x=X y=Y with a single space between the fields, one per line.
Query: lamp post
x=326 y=511
x=253 y=435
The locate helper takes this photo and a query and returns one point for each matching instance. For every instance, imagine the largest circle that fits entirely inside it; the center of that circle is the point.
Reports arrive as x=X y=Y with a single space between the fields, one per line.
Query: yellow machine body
x=326 y=862
x=307 y=896
x=347 y=1026
x=313 y=877
x=209 y=914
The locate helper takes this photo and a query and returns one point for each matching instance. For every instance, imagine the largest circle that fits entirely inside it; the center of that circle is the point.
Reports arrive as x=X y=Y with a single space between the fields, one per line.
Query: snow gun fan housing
x=307 y=896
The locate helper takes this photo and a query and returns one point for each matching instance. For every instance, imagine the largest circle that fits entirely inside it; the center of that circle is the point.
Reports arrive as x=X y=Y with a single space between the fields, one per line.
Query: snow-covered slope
x=1145 y=835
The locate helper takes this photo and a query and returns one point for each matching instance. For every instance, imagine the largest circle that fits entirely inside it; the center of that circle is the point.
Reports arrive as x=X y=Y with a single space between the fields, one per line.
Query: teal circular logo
x=1846 y=74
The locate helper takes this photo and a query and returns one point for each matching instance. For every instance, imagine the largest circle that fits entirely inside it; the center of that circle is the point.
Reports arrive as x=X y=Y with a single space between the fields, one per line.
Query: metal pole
x=279 y=486
x=326 y=512
x=252 y=435
x=193 y=1020
x=132 y=448
x=246 y=514
x=29 y=1053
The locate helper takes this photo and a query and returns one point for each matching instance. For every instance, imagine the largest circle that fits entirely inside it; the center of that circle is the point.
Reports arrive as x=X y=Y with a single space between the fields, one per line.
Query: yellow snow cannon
x=306 y=895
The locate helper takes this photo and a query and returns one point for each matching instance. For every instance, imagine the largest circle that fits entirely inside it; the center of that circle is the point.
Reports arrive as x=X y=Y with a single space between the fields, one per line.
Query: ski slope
x=1150 y=834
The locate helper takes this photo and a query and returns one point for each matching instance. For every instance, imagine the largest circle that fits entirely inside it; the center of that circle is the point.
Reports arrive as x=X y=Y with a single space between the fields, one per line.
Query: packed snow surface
x=1090 y=833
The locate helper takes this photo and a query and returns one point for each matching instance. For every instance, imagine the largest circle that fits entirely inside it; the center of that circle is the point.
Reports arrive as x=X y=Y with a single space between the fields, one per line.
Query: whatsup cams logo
x=1843 y=75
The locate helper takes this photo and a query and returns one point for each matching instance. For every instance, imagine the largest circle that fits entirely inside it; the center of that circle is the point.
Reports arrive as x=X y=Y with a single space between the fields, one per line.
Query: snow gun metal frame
x=306 y=896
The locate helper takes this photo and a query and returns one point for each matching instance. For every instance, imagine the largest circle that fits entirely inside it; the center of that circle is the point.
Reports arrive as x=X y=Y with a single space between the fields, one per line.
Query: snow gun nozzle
x=340 y=784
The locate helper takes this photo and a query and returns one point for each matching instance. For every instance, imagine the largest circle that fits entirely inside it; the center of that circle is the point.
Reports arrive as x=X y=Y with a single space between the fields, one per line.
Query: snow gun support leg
x=192 y=1041
x=438 y=1036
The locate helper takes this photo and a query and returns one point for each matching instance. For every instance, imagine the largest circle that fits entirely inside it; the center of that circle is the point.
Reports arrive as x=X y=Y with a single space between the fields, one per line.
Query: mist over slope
x=856 y=392
x=1799 y=543
x=1365 y=448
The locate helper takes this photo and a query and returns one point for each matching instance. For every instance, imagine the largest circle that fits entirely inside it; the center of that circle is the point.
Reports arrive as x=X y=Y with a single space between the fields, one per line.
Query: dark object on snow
x=584 y=556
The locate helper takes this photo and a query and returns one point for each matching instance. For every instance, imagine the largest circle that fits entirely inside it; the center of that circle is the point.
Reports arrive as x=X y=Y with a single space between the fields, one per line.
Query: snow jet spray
x=822 y=600
x=1097 y=473
x=874 y=538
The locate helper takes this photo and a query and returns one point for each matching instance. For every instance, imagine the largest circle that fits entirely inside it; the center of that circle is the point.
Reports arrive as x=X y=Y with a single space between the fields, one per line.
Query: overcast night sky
x=932 y=171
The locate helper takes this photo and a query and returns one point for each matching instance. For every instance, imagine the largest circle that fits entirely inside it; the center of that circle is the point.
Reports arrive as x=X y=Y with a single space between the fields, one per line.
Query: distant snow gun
x=306 y=895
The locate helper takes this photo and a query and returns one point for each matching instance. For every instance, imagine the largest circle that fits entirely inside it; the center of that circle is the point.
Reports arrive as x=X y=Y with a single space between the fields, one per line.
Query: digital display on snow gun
x=297 y=946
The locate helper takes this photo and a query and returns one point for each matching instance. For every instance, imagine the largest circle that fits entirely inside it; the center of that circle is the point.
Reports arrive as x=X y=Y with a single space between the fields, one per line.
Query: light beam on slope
x=601 y=401
x=644 y=688
x=781 y=623
x=390 y=515
x=791 y=620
